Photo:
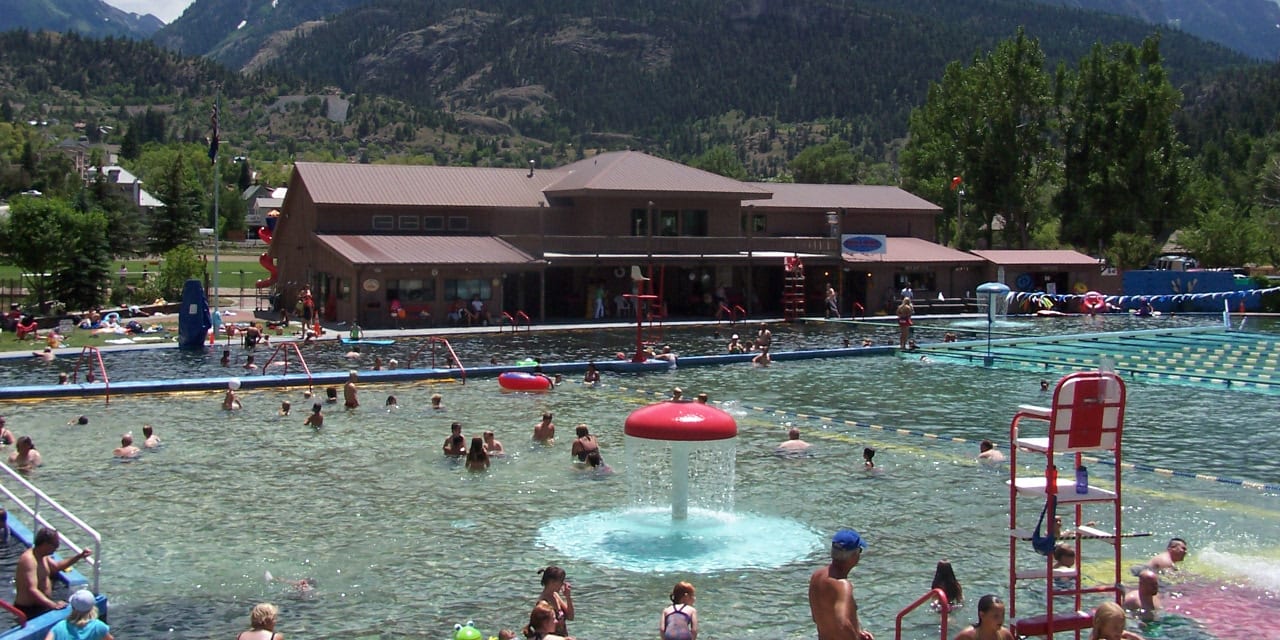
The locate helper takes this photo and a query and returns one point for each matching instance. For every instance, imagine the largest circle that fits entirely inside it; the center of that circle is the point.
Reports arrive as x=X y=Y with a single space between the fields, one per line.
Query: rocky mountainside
x=89 y=17
x=1251 y=27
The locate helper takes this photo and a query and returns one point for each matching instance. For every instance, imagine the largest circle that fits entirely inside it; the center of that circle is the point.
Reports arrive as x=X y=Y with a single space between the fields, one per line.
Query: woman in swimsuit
x=680 y=620
x=557 y=594
x=262 y=624
x=542 y=623
x=585 y=444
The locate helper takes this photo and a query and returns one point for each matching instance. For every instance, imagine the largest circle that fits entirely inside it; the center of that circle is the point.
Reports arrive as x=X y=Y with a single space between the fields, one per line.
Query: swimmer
x=866 y=342
x=1044 y=385
x=545 y=431
x=392 y=404
x=393 y=364
x=25 y=458
x=79 y=420
x=230 y=401
x=331 y=395
x=762 y=359
x=944 y=578
x=456 y=444
x=1108 y=624
x=595 y=463
x=988 y=453
x=1145 y=600
x=667 y=354
x=677 y=394
x=1168 y=559
x=353 y=354
x=867 y=458
x=584 y=444
x=735 y=345
x=6 y=436
x=593 y=374
x=437 y=402
x=477 y=456
x=377 y=363
x=285 y=408
x=303 y=585
x=126 y=448
x=846 y=343
x=248 y=362
x=764 y=337
x=46 y=355
x=990 y=624
x=149 y=438
x=63 y=378
x=1064 y=556
x=349 y=392
x=306 y=395
x=702 y=398
x=226 y=358
x=316 y=419
x=793 y=445
x=492 y=446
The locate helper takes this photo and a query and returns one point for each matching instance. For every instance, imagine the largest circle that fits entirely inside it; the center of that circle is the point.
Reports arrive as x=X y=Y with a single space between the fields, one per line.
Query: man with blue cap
x=831 y=601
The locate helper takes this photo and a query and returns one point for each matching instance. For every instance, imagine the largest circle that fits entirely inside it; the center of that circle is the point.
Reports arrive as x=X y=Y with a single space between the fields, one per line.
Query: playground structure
x=793 y=303
x=267 y=262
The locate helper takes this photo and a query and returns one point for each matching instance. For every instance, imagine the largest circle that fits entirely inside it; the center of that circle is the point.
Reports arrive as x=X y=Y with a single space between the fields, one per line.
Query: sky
x=167 y=10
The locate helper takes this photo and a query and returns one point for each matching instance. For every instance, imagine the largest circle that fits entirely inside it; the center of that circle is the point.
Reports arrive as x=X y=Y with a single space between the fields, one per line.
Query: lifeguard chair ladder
x=793 y=306
x=1087 y=415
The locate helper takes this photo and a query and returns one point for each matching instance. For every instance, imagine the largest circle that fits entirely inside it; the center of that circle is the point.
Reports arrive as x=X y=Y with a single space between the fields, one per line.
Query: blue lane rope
x=1127 y=466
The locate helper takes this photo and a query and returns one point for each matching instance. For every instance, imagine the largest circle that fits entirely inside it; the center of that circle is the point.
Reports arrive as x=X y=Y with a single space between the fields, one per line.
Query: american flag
x=213 y=139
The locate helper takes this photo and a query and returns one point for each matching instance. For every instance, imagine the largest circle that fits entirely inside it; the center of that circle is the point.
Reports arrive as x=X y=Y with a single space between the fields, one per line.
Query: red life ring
x=521 y=381
x=1094 y=302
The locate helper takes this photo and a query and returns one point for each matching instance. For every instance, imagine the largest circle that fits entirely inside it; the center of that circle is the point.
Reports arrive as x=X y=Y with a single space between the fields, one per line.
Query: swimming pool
x=404 y=543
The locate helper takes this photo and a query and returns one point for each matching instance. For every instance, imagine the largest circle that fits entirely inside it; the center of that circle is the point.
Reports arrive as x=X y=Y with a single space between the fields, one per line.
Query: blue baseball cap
x=848 y=539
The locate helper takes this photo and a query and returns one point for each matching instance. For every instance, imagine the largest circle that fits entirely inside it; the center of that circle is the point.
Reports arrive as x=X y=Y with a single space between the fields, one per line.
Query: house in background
x=129 y=185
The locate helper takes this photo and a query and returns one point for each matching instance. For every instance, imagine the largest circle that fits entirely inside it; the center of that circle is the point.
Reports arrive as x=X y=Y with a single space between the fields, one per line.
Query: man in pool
x=34 y=589
x=1145 y=600
x=150 y=439
x=831 y=601
x=456 y=444
x=126 y=449
x=545 y=431
x=988 y=453
x=1168 y=559
x=349 y=393
x=793 y=445
x=26 y=457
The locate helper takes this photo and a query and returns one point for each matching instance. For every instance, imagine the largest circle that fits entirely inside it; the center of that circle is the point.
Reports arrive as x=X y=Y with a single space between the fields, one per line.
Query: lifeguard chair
x=1086 y=416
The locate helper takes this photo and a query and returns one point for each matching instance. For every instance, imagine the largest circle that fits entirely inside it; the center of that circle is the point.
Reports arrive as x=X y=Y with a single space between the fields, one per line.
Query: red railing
x=515 y=321
x=434 y=343
x=88 y=356
x=283 y=348
x=944 y=608
x=17 y=613
x=735 y=313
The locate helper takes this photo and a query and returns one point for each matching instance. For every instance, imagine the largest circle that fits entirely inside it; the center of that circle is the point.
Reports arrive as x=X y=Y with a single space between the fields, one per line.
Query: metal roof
x=1030 y=257
x=913 y=251
x=405 y=185
x=841 y=196
x=636 y=172
x=395 y=249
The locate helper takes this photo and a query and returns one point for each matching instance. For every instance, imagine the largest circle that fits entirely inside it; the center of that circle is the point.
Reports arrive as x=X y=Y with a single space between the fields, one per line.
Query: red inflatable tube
x=521 y=381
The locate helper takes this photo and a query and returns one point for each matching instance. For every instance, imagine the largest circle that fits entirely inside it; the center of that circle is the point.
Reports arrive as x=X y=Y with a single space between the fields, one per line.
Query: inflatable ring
x=526 y=362
x=111 y=318
x=619 y=272
x=1080 y=287
x=1094 y=302
x=521 y=381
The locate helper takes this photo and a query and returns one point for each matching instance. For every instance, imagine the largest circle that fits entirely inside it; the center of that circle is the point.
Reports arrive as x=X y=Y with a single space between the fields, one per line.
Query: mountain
x=89 y=17
x=1251 y=27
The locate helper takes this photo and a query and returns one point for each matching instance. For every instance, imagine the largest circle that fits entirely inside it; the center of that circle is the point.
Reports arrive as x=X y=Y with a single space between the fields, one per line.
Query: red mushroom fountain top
x=681 y=421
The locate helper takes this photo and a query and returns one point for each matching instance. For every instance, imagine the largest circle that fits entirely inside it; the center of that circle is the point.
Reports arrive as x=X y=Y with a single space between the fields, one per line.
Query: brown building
x=565 y=242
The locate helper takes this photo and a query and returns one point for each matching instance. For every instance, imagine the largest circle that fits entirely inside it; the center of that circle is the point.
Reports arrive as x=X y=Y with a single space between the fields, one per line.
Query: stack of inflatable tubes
x=1128 y=301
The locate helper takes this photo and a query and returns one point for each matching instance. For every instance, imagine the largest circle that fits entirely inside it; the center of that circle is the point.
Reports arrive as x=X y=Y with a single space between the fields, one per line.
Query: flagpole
x=217 y=99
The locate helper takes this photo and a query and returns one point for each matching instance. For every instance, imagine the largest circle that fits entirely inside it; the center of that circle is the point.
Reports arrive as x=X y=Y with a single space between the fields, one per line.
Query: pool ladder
x=944 y=609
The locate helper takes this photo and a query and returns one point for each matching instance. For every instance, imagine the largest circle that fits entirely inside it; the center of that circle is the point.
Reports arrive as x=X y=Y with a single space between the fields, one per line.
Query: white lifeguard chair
x=1086 y=416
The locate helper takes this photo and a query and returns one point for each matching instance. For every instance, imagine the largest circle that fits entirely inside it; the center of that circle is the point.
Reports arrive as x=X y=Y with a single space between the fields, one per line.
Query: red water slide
x=266 y=261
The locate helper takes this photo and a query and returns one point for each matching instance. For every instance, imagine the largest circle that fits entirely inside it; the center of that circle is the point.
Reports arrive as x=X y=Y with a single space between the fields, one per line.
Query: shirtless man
x=762 y=359
x=349 y=390
x=990 y=625
x=831 y=601
x=456 y=443
x=793 y=444
x=230 y=401
x=492 y=446
x=26 y=457
x=316 y=419
x=150 y=439
x=126 y=448
x=988 y=453
x=584 y=444
x=35 y=565
x=6 y=436
x=1144 y=600
x=1167 y=560
x=764 y=337
x=545 y=431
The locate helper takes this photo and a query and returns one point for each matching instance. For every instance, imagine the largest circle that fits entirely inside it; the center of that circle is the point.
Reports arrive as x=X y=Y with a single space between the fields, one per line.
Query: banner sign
x=851 y=243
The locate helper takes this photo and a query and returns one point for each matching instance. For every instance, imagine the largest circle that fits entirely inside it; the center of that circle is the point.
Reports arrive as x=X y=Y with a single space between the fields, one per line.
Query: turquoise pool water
x=405 y=544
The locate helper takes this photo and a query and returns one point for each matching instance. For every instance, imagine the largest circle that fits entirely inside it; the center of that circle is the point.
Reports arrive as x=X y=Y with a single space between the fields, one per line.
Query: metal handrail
x=39 y=521
x=92 y=353
x=944 y=608
x=301 y=360
x=515 y=321
x=432 y=341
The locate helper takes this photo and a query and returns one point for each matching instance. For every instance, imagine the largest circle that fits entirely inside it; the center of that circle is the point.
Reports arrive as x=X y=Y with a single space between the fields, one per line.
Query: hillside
x=92 y=18
x=1251 y=27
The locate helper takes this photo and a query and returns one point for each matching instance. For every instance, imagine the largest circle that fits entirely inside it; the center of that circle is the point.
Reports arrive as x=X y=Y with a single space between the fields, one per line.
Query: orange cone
x=212 y=337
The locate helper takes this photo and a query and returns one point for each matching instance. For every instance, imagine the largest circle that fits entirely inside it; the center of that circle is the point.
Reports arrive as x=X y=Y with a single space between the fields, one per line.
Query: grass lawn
x=229 y=268
x=81 y=338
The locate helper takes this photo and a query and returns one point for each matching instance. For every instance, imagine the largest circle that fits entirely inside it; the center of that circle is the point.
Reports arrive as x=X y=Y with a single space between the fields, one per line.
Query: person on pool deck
x=126 y=448
x=492 y=446
x=456 y=444
x=316 y=419
x=349 y=392
x=545 y=431
x=831 y=601
x=149 y=438
x=558 y=594
x=1108 y=624
x=990 y=624
x=477 y=456
x=1168 y=559
x=793 y=444
x=584 y=444
x=1145 y=600
x=32 y=583
x=987 y=452
x=437 y=402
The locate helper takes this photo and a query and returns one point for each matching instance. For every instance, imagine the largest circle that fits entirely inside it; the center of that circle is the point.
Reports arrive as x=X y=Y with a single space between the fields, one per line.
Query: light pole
x=959 y=216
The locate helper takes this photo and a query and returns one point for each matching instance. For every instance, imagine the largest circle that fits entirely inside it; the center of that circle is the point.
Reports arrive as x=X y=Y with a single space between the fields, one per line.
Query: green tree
x=86 y=260
x=245 y=179
x=1223 y=237
x=177 y=223
x=33 y=238
x=1131 y=251
x=1124 y=168
x=721 y=160
x=990 y=124
x=830 y=163
x=179 y=265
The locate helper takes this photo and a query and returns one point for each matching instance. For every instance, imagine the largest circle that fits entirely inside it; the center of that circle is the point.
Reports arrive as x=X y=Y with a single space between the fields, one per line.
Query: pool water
x=404 y=543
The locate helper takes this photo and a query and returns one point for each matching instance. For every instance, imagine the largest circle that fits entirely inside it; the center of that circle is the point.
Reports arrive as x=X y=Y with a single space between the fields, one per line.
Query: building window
x=669 y=223
x=408 y=223
x=753 y=223
x=458 y=223
x=384 y=223
x=693 y=222
x=433 y=223
x=639 y=222
x=412 y=291
x=465 y=289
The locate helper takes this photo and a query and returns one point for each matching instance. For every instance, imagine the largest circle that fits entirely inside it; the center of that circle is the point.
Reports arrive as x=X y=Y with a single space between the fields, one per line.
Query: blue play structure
x=193 y=319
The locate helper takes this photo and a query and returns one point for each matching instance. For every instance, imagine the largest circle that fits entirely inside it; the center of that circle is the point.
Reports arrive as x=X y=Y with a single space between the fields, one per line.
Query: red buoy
x=681 y=421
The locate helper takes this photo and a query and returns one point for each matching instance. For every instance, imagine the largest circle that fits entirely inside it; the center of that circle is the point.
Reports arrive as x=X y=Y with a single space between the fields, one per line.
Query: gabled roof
x=914 y=251
x=1032 y=257
x=841 y=196
x=395 y=249
x=404 y=185
x=633 y=172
